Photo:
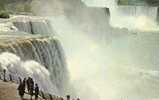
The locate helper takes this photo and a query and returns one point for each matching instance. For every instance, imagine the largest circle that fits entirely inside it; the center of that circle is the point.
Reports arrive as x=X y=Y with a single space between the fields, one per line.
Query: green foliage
x=4 y=14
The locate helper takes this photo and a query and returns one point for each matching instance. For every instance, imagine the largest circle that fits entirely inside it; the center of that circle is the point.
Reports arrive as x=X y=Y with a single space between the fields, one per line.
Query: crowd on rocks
x=31 y=89
x=26 y=83
x=28 y=86
x=69 y=98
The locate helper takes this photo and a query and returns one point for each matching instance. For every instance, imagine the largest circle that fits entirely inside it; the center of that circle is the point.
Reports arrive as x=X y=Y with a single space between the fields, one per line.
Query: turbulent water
x=106 y=60
x=39 y=57
x=125 y=65
x=141 y=18
x=27 y=24
x=33 y=25
x=132 y=67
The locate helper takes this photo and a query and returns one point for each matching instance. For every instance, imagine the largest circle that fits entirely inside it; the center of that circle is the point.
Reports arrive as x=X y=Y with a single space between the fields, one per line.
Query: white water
x=40 y=57
x=125 y=69
x=27 y=24
x=18 y=68
x=122 y=69
x=140 y=18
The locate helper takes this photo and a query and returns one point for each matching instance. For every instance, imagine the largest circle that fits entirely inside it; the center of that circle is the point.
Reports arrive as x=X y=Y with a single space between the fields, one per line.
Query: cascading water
x=26 y=55
x=27 y=24
x=141 y=18
x=18 y=68
x=123 y=67
x=120 y=70
x=32 y=24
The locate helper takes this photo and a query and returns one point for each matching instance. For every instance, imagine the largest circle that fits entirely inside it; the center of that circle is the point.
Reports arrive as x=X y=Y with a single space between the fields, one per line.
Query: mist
x=105 y=62
x=16 y=67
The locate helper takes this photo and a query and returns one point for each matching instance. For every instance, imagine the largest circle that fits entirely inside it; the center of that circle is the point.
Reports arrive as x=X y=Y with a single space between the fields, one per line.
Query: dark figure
x=37 y=91
x=61 y=98
x=29 y=81
x=4 y=75
x=24 y=83
x=78 y=99
x=68 y=97
x=21 y=90
x=31 y=88
x=51 y=98
x=28 y=84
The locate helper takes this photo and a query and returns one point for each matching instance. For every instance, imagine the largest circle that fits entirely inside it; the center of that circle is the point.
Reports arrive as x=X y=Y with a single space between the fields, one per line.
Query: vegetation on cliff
x=4 y=14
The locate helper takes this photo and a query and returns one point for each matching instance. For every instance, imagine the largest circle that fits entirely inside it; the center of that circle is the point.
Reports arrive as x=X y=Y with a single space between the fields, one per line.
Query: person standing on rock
x=61 y=98
x=31 y=88
x=36 y=91
x=4 y=75
x=28 y=81
x=68 y=97
x=21 y=90
x=28 y=84
x=24 y=83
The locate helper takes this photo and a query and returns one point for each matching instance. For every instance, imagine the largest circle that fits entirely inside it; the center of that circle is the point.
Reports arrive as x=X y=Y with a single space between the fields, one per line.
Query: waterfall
x=27 y=24
x=18 y=68
x=129 y=17
x=32 y=25
x=29 y=54
x=121 y=69
x=124 y=67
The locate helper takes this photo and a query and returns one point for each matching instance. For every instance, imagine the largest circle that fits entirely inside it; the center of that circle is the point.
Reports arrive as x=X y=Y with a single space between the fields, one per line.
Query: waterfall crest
x=27 y=24
x=129 y=17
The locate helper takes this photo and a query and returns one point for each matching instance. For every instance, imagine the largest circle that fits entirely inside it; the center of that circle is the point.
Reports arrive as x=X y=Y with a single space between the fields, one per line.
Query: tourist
x=51 y=98
x=24 y=83
x=28 y=84
x=21 y=90
x=68 y=97
x=61 y=98
x=4 y=75
x=36 y=91
x=31 y=88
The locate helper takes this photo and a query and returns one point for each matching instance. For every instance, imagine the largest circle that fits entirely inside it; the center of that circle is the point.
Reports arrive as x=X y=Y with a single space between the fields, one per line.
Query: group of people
x=29 y=84
x=69 y=97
